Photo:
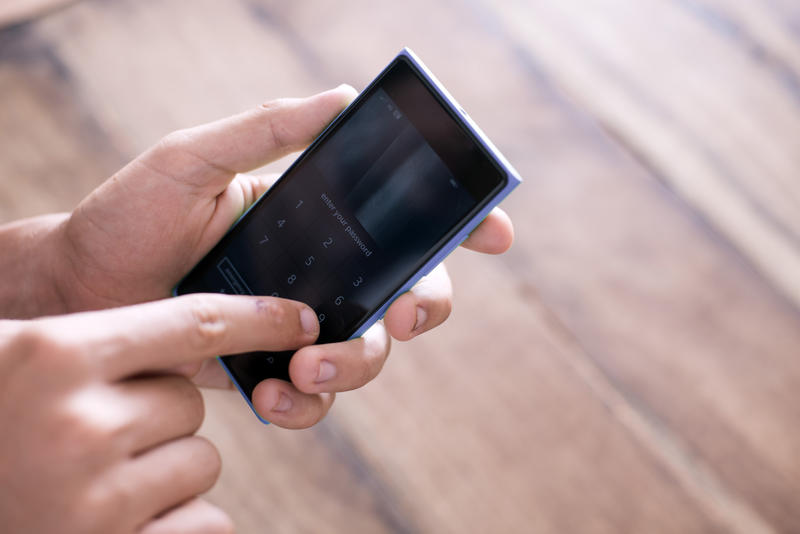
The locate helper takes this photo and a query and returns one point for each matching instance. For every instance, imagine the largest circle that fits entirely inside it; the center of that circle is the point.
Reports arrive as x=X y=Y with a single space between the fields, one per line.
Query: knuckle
x=33 y=339
x=108 y=504
x=95 y=511
x=172 y=142
x=19 y=346
x=277 y=128
x=209 y=327
x=275 y=104
x=115 y=495
x=44 y=342
x=173 y=157
x=95 y=425
x=275 y=311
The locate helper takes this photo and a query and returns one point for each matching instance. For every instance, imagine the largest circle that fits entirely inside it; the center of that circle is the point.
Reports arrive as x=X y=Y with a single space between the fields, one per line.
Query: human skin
x=138 y=233
x=70 y=429
x=98 y=434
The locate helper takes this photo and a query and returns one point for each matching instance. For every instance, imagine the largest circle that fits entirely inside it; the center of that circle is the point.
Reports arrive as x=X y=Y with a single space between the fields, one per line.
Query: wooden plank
x=53 y=152
x=552 y=432
x=298 y=13
x=577 y=182
x=17 y=11
x=765 y=30
x=277 y=480
x=482 y=429
x=715 y=120
x=210 y=65
x=45 y=168
x=254 y=449
x=689 y=333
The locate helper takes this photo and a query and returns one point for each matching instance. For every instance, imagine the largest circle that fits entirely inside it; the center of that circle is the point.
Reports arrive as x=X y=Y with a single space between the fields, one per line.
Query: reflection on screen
x=392 y=181
x=342 y=231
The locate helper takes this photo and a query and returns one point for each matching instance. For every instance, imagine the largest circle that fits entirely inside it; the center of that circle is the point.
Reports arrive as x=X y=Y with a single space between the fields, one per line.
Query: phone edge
x=513 y=179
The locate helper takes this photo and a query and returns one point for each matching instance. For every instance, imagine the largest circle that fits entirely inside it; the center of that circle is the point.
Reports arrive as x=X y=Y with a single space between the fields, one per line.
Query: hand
x=140 y=232
x=134 y=237
x=97 y=438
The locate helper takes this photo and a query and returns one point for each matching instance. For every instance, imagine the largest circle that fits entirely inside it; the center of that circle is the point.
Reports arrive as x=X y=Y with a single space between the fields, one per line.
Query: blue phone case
x=513 y=180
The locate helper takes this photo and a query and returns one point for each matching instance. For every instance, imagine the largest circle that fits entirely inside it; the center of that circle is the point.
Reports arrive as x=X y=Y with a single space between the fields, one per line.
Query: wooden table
x=632 y=365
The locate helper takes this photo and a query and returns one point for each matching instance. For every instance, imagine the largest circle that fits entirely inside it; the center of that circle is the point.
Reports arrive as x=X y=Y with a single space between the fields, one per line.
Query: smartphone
x=396 y=182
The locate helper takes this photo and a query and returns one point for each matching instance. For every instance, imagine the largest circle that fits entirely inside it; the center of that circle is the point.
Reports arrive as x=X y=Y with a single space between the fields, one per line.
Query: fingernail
x=284 y=403
x=422 y=316
x=308 y=320
x=326 y=371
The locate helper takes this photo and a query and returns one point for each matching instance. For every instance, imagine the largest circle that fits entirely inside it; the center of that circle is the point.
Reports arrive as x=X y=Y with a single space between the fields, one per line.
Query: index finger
x=164 y=334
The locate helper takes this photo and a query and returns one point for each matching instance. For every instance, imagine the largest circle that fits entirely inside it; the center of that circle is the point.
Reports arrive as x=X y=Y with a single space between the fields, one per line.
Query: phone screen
x=356 y=216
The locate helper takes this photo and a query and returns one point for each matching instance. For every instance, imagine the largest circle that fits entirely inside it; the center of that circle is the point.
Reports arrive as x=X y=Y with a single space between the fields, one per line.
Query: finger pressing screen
x=165 y=334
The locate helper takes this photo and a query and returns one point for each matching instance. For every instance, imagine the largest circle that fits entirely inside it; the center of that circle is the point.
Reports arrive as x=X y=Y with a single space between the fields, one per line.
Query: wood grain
x=632 y=365
x=18 y=11
x=694 y=96
x=45 y=166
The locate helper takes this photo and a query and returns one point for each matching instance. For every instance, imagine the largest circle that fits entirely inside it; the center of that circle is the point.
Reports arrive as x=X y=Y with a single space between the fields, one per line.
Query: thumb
x=211 y=154
x=168 y=333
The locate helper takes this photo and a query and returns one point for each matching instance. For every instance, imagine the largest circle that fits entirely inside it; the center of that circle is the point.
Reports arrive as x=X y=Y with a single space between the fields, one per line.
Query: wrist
x=30 y=267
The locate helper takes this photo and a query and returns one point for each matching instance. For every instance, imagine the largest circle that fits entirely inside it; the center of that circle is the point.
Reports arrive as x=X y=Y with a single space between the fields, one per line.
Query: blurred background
x=631 y=365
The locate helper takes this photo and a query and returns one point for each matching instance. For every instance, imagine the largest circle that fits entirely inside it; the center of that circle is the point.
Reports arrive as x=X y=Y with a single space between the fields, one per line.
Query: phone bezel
x=507 y=180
